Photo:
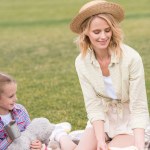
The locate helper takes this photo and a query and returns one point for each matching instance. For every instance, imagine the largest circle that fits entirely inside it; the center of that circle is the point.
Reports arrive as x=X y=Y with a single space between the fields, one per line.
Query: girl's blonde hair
x=114 y=46
x=5 y=79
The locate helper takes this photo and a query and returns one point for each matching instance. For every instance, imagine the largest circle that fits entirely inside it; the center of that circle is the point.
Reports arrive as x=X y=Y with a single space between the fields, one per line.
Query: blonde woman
x=111 y=76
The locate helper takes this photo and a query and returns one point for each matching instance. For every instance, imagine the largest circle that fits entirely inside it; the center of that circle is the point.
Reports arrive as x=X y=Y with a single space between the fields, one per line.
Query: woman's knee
x=88 y=140
x=123 y=140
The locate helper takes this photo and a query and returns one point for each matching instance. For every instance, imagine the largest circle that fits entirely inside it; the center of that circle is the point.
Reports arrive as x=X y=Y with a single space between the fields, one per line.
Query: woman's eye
x=107 y=30
x=96 y=32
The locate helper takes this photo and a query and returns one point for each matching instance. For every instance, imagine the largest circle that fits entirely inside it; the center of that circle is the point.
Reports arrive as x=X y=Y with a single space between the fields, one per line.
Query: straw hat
x=96 y=7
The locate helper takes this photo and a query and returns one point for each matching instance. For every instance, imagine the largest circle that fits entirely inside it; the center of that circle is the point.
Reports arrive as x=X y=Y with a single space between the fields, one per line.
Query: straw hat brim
x=111 y=8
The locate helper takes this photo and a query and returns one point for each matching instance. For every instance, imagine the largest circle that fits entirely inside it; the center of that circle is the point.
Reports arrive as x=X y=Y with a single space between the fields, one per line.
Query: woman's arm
x=93 y=104
x=139 y=138
x=100 y=134
x=138 y=101
x=137 y=95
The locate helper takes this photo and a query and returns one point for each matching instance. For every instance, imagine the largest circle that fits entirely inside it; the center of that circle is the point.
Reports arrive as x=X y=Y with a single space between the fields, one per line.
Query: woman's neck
x=103 y=59
x=102 y=55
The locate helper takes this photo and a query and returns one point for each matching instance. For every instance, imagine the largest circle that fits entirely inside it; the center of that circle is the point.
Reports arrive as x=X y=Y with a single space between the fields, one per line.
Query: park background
x=37 y=49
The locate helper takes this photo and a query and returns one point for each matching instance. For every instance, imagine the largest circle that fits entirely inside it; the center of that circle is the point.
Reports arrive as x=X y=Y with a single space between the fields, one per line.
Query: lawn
x=36 y=47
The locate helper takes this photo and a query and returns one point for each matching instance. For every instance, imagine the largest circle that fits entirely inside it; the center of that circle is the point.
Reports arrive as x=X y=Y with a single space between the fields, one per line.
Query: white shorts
x=114 y=124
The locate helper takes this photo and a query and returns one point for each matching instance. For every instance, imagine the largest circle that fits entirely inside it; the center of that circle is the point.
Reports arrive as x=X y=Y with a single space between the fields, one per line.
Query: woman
x=111 y=75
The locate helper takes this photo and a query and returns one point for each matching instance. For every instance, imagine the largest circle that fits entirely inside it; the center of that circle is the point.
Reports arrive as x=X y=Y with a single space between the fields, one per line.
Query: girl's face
x=8 y=98
x=99 y=33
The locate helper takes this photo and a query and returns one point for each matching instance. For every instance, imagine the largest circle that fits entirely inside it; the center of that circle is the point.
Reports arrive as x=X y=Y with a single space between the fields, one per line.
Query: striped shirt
x=20 y=115
x=127 y=74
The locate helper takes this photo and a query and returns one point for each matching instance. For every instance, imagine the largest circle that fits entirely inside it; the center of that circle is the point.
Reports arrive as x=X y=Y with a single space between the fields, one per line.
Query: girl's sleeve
x=26 y=116
x=4 y=144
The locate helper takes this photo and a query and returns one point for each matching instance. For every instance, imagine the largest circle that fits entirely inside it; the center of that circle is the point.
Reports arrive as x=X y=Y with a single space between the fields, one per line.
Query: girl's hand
x=36 y=145
x=9 y=140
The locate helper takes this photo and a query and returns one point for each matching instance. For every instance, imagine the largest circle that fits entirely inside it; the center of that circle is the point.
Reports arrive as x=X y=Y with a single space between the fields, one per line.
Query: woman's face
x=99 y=33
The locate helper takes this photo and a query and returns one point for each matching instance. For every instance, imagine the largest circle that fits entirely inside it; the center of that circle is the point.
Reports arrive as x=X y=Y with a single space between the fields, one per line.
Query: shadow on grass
x=51 y=22
x=34 y=23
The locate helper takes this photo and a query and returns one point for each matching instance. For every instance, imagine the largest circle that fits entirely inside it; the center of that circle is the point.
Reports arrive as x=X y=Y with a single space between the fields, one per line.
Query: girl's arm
x=5 y=143
x=24 y=114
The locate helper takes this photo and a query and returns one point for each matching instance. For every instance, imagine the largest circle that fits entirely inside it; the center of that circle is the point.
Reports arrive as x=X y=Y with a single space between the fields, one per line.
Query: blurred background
x=37 y=49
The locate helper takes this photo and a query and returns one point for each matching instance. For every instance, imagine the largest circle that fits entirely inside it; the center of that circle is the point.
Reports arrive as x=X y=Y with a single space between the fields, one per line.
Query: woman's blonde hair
x=5 y=79
x=83 y=40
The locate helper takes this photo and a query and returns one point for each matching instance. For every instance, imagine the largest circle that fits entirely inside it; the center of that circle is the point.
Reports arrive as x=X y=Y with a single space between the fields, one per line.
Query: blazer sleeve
x=137 y=94
x=93 y=104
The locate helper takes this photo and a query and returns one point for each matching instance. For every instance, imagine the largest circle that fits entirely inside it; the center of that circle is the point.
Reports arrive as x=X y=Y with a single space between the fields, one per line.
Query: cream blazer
x=127 y=75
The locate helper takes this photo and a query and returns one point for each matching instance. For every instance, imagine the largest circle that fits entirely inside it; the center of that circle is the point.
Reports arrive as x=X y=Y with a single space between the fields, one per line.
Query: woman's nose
x=103 y=35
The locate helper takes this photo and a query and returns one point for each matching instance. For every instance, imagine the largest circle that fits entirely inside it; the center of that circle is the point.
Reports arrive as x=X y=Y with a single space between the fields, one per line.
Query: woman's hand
x=100 y=135
x=102 y=146
x=139 y=144
x=139 y=138
x=36 y=145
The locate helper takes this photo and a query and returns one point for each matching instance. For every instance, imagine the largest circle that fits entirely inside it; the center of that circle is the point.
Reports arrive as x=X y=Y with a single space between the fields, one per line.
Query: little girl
x=9 y=110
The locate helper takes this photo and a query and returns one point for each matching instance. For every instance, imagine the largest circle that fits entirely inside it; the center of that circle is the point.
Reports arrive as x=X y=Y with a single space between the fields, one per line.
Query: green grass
x=36 y=47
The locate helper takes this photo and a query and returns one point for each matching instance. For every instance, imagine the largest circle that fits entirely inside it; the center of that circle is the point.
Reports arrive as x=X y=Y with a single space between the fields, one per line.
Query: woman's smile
x=99 y=34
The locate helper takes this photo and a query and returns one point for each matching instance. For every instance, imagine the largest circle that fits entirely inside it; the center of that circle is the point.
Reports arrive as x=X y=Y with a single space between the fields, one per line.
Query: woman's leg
x=87 y=142
x=122 y=140
x=66 y=143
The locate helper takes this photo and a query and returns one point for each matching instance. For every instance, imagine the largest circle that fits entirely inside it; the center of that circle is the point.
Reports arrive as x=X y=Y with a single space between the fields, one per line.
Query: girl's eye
x=11 y=96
